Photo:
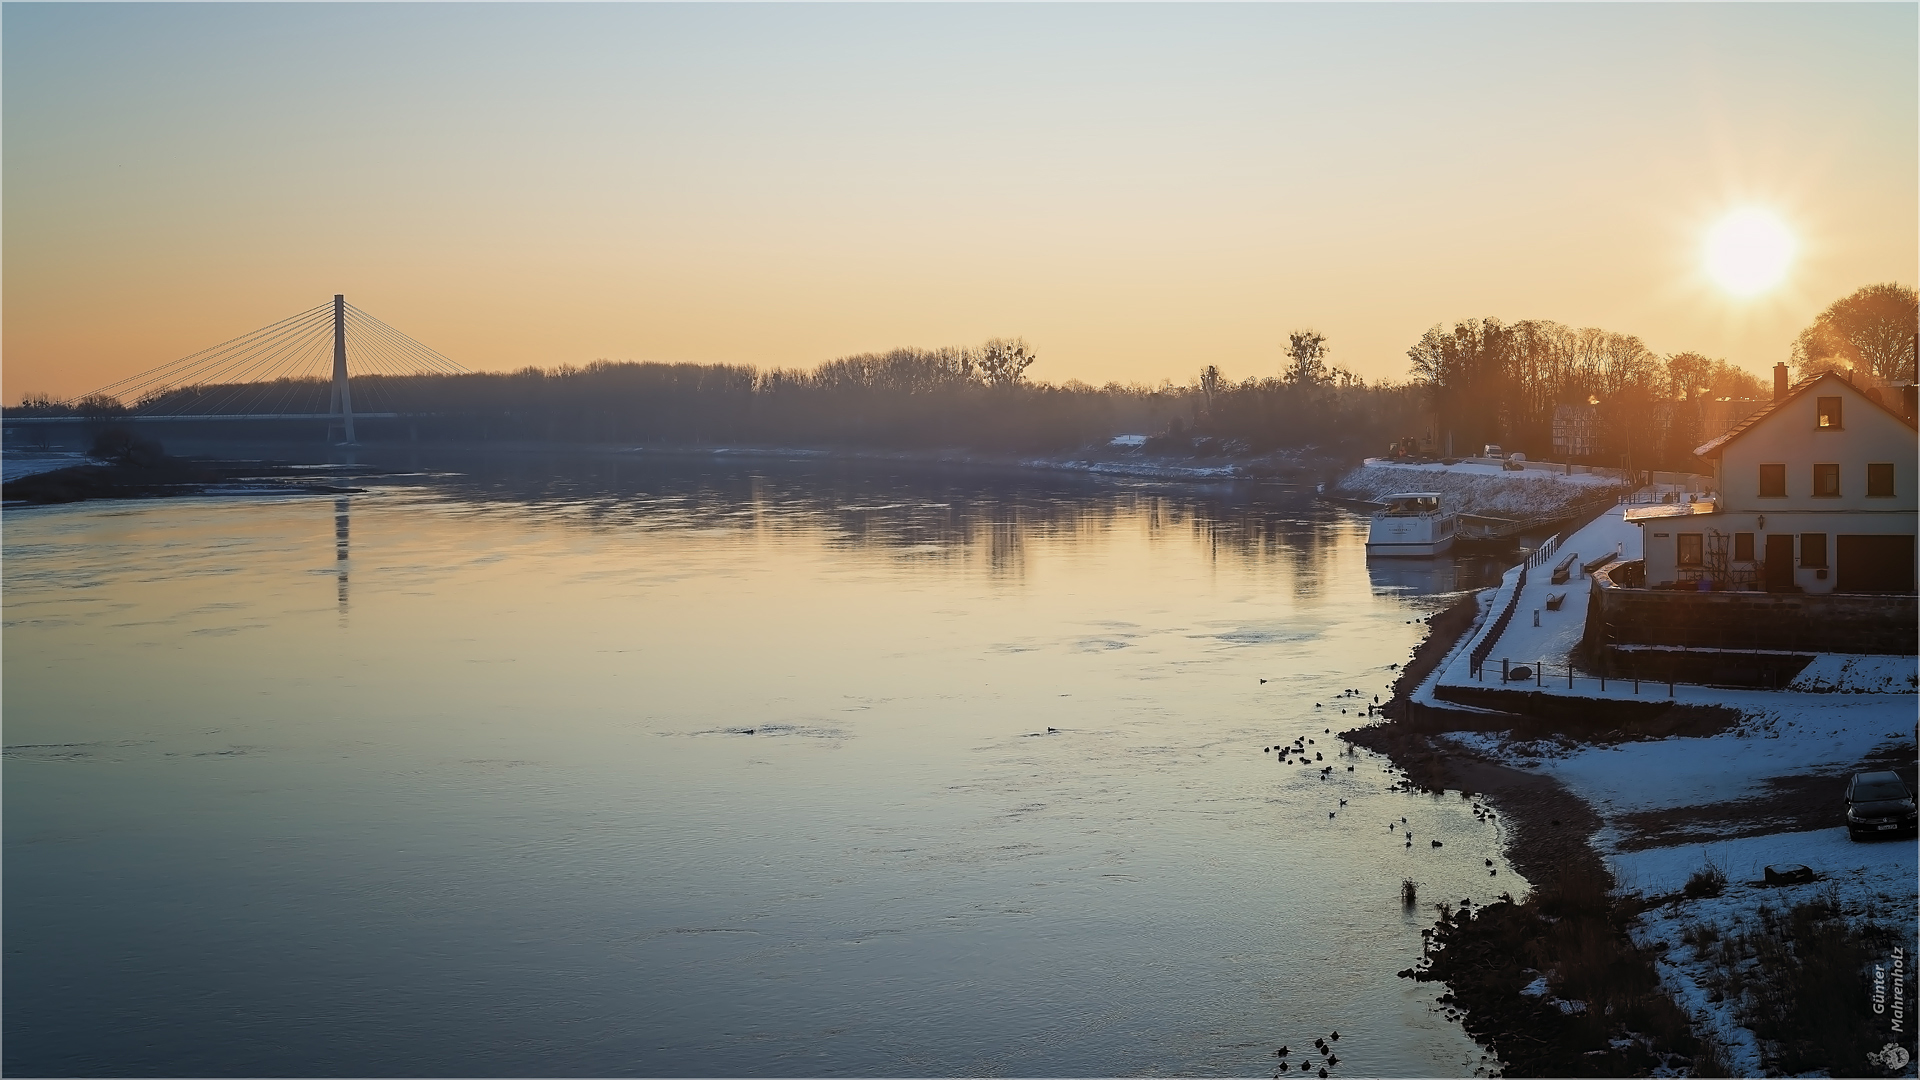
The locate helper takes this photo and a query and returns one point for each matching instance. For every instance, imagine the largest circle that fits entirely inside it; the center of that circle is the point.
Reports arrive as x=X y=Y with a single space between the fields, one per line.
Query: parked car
x=1879 y=804
x=1492 y=450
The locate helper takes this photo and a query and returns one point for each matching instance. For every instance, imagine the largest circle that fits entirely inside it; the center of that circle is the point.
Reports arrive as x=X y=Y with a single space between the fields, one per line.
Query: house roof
x=1713 y=447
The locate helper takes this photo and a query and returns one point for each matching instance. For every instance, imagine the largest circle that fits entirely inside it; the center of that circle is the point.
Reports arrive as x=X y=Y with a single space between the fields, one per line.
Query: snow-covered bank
x=1120 y=461
x=1872 y=882
x=21 y=463
x=1475 y=488
x=1741 y=783
x=1765 y=789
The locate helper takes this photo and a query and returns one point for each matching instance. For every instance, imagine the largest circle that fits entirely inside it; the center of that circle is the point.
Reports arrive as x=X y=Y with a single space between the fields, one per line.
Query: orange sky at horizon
x=1138 y=191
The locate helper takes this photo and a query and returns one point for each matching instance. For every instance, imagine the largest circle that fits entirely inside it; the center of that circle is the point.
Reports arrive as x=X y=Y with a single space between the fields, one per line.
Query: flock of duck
x=1306 y=1063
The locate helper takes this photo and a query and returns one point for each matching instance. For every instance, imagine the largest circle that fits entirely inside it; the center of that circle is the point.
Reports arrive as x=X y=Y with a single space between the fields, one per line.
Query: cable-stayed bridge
x=296 y=369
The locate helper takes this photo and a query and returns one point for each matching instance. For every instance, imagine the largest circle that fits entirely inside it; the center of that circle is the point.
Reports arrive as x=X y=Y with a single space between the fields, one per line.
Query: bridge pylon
x=342 y=402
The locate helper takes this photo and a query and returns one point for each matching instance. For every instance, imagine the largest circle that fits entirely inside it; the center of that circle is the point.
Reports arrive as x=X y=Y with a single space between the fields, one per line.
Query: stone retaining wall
x=1793 y=622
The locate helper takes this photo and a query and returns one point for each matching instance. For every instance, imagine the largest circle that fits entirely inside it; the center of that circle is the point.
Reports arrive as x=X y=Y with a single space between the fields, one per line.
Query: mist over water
x=546 y=765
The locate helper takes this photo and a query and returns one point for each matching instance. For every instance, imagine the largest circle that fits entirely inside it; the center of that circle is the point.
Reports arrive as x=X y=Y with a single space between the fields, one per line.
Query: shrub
x=120 y=446
x=1709 y=880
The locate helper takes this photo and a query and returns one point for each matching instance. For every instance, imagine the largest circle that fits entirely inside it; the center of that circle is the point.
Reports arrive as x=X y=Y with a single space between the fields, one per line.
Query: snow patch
x=1477 y=489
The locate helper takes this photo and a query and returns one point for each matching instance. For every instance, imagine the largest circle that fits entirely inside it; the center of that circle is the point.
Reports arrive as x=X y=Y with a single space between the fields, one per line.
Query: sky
x=1137 y=190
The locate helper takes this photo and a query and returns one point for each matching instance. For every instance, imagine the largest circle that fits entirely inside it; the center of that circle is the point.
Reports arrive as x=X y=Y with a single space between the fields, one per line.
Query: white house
x=1816 y=492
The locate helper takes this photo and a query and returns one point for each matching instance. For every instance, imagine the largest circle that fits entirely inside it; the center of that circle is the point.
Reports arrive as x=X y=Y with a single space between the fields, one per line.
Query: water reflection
x=707 y=767
x=342 y=522
x=942 y=512
x=1435 y=576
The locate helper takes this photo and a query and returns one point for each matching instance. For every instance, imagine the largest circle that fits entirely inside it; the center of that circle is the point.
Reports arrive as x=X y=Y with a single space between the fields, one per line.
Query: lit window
x=1689 y=548
x=1813 y=550
x=1773 y=481
x=1829 y=412
x=1826 y=481
x=1880 y=480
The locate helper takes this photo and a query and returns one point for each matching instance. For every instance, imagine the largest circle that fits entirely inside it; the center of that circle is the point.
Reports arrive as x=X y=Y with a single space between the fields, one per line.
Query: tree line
x=1478 y=381
x=1494 y=382
x=972 y=398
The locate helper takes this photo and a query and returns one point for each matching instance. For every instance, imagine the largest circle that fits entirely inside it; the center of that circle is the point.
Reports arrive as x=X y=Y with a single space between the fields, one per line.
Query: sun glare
x=1748 y=251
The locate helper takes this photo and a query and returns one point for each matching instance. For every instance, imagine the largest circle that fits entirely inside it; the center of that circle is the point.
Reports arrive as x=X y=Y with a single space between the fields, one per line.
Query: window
x=1689 y=549
x=1826 y=481
x=1773 y=481
x=1829 y=414
x=1813 y=550
x=1742 y=547
x=1880 y=480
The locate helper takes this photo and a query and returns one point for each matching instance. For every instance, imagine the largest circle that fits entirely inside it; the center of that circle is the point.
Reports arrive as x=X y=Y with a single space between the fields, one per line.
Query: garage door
x=1873 y=564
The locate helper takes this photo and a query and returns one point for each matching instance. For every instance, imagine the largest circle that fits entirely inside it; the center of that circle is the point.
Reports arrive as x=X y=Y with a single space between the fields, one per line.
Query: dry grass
x=1802 y=979
x=1709 y=880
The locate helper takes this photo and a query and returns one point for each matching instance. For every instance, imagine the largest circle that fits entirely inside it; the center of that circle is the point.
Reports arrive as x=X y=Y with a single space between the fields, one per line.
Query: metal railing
x=1484 y=647
x=1539 y=675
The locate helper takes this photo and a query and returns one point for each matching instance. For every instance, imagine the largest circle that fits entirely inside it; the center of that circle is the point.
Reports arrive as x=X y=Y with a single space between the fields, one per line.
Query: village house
x=1805 y=545
x=1815 y=493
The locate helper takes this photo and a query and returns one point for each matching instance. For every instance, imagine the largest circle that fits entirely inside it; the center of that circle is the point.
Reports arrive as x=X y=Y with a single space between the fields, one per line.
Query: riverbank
x=1608 y=1015
x=168 y=476
x=190 y=473
x=1483 y=488
x=1669 y=811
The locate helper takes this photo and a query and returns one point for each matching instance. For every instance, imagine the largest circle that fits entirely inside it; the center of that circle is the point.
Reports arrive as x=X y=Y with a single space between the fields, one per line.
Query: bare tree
x=1689 y=375
x=1872 y=331
x=1210 y=383
x=1004 y=361
x=1307 y=358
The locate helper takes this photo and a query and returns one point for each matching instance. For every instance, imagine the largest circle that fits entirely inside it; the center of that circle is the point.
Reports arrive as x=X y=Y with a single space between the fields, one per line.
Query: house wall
x=1659 y=539
x=1791 y=437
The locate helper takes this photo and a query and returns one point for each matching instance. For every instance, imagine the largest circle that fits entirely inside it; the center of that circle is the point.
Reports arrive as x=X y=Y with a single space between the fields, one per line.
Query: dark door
x=1779 y=561
x=1873 y=564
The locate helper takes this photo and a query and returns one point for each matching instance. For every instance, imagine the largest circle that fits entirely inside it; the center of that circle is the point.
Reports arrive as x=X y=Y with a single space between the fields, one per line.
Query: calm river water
x=548 y=765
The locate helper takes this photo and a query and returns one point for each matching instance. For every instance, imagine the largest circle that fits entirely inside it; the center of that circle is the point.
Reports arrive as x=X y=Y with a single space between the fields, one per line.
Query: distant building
x=1576 y=431
x=1721 y=415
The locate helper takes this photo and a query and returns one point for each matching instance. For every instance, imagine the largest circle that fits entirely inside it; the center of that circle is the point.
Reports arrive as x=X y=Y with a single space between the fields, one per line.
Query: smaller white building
x=1815 y=493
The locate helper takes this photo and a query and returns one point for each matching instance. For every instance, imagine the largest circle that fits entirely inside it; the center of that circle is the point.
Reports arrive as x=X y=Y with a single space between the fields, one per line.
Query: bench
x=1554 y=600
x=1564 y=570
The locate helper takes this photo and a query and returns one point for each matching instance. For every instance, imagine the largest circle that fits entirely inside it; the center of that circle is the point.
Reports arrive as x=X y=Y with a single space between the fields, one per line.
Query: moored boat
x=1412 y=523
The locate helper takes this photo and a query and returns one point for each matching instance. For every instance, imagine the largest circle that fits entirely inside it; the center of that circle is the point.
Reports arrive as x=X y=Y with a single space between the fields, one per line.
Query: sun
x=1748 y=251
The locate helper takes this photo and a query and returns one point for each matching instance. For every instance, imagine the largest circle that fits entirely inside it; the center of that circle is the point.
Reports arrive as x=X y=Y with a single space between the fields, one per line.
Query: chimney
x=1779 y=381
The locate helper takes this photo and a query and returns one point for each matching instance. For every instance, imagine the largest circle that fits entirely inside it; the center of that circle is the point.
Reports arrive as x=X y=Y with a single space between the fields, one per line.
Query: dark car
x=1879 y=804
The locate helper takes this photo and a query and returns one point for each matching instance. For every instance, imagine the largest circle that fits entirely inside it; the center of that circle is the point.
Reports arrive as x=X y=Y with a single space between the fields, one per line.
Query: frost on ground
x=1843 y=674
x=1475 y=488
x=1764 y=792
x=1714 y=948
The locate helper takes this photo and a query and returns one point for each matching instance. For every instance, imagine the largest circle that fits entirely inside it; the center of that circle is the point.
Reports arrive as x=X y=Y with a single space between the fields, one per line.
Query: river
x=578 y=764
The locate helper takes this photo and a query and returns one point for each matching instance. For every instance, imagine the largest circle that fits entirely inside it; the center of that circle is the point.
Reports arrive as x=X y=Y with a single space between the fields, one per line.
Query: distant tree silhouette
x=1004 y=361
x=1872 y=330
x=118 y=445
x=1306 y=357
